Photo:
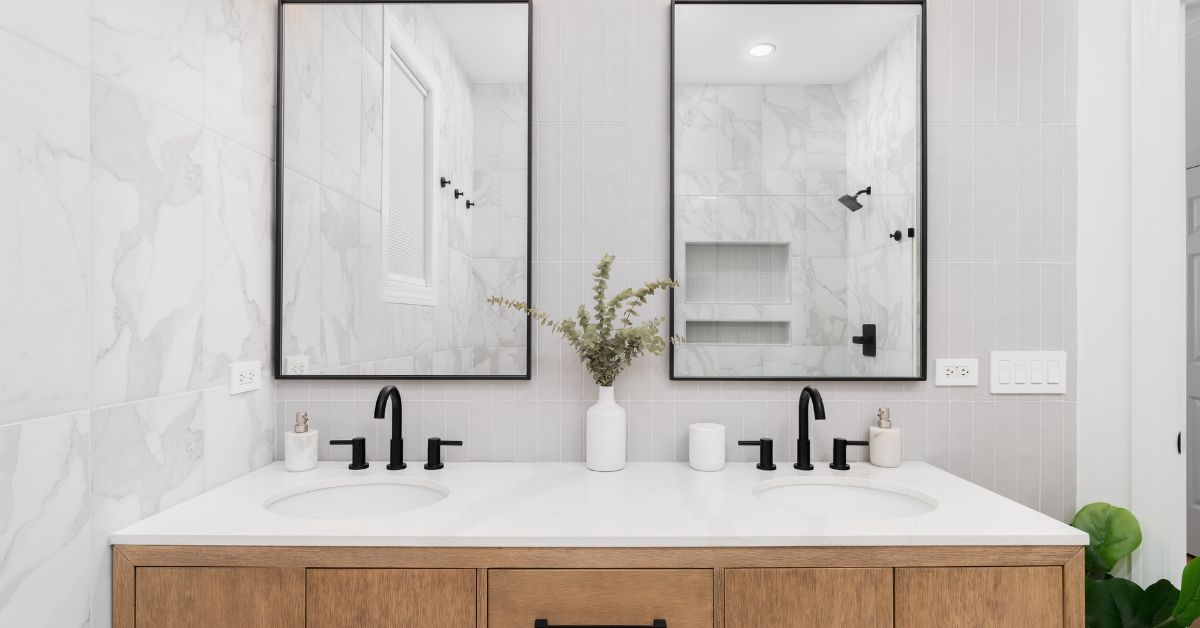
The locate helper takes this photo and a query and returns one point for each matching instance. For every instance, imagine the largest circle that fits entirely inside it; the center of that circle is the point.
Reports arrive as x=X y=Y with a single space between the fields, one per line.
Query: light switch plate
x=956 y=372
x=245 y=376
x=1029 y=372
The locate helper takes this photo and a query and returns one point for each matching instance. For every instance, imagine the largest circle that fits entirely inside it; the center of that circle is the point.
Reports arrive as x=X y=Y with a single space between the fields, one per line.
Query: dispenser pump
x=885 y=418
x=301 y=423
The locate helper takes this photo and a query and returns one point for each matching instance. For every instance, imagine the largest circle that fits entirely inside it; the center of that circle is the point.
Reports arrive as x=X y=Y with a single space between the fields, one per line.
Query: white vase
x=606 y=433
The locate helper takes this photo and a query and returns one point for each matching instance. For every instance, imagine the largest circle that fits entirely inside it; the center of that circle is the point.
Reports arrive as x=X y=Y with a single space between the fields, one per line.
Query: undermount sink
x=844 y=497
x=355 y=498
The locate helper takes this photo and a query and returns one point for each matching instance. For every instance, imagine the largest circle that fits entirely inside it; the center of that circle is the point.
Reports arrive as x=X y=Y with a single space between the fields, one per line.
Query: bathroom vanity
x=513 y=544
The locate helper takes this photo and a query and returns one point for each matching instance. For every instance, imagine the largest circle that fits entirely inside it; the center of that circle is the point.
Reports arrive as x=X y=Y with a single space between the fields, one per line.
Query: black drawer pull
x=545 y=623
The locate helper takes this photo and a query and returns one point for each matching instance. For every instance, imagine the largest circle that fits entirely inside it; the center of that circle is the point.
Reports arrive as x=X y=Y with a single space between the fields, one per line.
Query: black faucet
x=803 y=446
x=396 y=459
x=433 y=455
x=839 y=452
x=358 y=452
x=766 y=452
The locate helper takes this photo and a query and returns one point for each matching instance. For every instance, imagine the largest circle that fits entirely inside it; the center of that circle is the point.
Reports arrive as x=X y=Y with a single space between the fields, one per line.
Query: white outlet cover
x=956 y=372
x=245 y=376
x=295 y=365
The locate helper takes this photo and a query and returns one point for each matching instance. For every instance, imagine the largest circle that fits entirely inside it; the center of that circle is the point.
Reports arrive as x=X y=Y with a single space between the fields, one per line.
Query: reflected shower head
x=851 y=202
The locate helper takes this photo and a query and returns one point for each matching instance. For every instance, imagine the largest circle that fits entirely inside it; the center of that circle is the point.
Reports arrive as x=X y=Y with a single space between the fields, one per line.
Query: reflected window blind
x=406 y=174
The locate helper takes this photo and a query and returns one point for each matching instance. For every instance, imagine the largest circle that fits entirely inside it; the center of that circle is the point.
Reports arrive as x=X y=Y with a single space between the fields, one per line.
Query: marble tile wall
x=334 y=311
x=787 y=145
x=136 y=195
x=1001 y=238
x=500 y=221
x=882 y=114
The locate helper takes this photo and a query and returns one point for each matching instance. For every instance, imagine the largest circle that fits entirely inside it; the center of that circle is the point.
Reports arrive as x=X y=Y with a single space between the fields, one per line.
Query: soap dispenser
x=300 y=446
x=885 y=441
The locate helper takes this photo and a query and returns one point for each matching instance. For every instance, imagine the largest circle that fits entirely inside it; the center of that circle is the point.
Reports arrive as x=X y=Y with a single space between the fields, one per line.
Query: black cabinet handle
x=545 y=623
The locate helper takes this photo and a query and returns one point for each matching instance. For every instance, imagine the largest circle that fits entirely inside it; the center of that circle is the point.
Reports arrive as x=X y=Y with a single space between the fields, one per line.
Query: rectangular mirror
x=798 y=207
x=403 y=198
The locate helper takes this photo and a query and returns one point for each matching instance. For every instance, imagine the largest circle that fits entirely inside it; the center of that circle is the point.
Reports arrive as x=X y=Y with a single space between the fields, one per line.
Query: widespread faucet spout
x=803 y=444
x=386 y=394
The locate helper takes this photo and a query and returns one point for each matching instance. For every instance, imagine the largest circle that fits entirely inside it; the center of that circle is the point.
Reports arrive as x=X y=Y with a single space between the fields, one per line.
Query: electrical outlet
x=295 y=365
x=245 y=376
x=956 y=372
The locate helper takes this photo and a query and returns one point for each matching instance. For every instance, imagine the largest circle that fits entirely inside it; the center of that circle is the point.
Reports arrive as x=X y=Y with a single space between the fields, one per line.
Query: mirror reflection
x=404 y=199
x=797 y=236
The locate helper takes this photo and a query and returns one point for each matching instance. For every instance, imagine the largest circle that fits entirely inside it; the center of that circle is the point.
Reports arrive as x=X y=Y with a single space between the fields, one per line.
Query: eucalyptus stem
x=608 y=339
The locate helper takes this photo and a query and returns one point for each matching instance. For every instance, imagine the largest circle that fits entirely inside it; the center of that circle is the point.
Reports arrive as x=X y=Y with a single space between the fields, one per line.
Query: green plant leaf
x=1112 y=603
x=1187 y=609
x=1114 y=533
x=1157 y=604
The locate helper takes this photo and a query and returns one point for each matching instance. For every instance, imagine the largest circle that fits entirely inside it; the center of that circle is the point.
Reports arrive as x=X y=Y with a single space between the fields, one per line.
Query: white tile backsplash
x=157 y=119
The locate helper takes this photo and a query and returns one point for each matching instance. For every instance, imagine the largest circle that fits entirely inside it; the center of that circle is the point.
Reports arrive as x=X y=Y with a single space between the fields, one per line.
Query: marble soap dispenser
x=885 y=441
x=300 y=446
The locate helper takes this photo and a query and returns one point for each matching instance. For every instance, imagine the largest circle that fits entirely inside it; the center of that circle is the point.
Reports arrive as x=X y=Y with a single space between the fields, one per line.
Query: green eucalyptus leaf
x=1114 y=534
x=1187 y=609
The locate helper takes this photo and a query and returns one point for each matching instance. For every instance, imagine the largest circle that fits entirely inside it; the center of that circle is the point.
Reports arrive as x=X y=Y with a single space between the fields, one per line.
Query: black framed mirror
x=798 y=190
x=403 y=178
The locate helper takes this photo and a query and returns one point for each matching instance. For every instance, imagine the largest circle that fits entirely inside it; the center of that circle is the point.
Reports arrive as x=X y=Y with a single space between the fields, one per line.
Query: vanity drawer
x=980 y=597
x=830 y=598
x=565 y=597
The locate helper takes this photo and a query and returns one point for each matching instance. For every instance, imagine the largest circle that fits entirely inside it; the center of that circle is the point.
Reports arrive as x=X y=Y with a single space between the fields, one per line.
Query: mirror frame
x=923 y=151
x=277 y=268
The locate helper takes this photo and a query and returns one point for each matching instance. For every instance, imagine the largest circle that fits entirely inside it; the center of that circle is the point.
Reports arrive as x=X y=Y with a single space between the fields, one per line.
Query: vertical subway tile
x=962 y=61
x=1029 y=453
x=617 y=60
x=1008 y=423
x=984 y=66
x=547 y=60
x=1008 y=60
x=961 y=440
x=960 y=166
x=1031 y=44
x=616 y=205
x=983 y=193
x=1052 y=470
x=1054 y=51
x=983 y=444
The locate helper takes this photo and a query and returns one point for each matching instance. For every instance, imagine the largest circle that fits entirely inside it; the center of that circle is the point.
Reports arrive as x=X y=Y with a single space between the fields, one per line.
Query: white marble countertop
x=657 y=504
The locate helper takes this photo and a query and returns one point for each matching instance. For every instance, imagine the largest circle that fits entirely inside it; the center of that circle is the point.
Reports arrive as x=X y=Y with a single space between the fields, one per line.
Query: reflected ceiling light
x=761 y=50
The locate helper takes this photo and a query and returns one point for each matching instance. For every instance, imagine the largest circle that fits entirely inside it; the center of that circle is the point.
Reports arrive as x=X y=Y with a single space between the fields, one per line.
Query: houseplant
x=607 y=340
x=1112 y=602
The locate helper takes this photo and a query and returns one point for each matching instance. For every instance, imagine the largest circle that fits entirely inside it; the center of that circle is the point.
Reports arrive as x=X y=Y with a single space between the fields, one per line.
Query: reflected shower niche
x=798 y=209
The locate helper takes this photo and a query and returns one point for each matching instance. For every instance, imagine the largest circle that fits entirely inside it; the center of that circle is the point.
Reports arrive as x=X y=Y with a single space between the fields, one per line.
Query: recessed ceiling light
x=761 y=50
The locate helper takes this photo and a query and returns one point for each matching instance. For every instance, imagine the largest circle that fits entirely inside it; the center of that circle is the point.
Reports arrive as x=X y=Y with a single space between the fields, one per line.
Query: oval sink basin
x=355 y=498
x=844 y=497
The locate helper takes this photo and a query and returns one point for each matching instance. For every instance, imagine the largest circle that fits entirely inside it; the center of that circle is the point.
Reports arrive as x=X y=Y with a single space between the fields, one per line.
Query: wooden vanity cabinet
x=200 y=597
x=980 y=597
x=831 y=598
x=593 y=597
x=351 y=598
x=725 y=587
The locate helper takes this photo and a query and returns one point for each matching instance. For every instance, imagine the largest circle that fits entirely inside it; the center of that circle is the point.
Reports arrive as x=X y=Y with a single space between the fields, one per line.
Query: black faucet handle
x=434 y=454
x=358 y=452
x=839 y=452
x=766 y=452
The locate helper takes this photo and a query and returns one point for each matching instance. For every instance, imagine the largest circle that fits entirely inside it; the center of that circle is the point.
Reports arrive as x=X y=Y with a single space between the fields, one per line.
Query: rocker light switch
x=1028 y=372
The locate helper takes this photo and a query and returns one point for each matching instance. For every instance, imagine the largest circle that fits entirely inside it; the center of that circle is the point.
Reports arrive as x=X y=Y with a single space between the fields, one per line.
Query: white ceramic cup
x=706 y=446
